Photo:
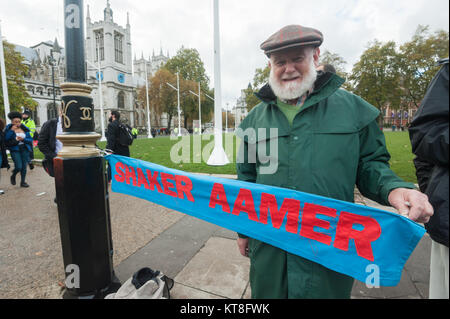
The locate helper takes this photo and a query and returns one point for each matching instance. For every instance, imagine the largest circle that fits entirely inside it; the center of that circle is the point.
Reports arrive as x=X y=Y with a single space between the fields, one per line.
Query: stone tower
x=111 y=44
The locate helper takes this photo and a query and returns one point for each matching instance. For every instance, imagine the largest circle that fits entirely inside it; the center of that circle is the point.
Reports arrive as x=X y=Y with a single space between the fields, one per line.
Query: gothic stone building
x=107 y=44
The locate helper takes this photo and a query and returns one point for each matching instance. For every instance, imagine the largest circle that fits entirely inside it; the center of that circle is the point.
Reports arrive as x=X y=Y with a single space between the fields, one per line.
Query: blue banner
x=352 y=239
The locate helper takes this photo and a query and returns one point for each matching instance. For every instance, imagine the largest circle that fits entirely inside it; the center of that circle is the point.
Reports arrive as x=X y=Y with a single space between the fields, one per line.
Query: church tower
x=109 y=45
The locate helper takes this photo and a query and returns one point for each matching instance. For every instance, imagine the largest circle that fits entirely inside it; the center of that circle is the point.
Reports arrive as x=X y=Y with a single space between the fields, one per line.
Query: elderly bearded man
x=328 y=142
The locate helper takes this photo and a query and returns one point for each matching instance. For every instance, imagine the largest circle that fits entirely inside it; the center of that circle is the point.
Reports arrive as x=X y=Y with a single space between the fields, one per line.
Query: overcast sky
x=347 y=25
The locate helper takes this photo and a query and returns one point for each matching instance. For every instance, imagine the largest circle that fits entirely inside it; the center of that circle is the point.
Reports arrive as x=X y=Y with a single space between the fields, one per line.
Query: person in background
x=112 y=138
x=326 y=68
x=29 y=122
x=48 y=144
x=3 y=157
x=135 y=132
x=19 y=143
x=429 y=134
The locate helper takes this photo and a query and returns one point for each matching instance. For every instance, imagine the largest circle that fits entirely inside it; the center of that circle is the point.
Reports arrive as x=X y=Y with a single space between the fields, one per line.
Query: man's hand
x=411 y=203
x=243 y=246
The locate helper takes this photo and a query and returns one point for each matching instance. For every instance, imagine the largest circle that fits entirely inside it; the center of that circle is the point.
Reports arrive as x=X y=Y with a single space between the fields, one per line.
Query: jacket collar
x=22 y=126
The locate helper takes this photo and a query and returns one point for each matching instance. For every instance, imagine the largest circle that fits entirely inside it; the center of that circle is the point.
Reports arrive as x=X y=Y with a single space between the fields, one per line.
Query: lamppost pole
x=80 y=179
x=100 y=91
x=199 y=107
x=3 y=73
x=53 y=78
x=178 y=97
x=179 y=111
x=149 y=127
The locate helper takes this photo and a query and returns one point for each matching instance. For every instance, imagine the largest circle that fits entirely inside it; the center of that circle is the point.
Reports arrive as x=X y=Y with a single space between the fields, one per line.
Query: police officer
x=28 y=122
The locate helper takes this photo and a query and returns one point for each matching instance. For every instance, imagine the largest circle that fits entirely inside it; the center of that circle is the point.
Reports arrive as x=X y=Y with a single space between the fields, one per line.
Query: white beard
x=295 y=89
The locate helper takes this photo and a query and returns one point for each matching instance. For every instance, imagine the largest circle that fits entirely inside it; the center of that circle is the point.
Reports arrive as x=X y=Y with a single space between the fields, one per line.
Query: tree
x=335 y=60
x=417 y=62
x=376 y=77
x=189 y=65
x=16 y=70
x=260 y=78
x=163 y=99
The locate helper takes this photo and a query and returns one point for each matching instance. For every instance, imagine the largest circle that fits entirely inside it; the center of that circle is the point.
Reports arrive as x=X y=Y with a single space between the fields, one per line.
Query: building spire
x=108 y=13
x=88 y=14
x=56 y=47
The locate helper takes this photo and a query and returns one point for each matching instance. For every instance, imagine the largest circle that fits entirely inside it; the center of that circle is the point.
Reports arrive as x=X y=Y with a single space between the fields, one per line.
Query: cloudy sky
x=347 y=25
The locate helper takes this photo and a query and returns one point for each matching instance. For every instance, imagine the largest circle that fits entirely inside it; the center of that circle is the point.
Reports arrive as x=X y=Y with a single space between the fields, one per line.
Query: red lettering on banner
x=141 y=178
x=153 y=181
x=167 y=184
x=362 y=238
x=245 y=195
x=120 y=176
x=289 y=206
x=130 y=174
x=184 y=185
x=218 y=197
x=309 y=220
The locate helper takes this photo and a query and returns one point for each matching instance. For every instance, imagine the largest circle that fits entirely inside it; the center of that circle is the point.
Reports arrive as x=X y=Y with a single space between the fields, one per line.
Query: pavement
x=202 y=258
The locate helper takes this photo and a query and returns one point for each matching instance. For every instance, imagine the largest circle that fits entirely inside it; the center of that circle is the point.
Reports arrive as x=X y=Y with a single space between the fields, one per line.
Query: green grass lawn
x=399 y=146
x=157 y=150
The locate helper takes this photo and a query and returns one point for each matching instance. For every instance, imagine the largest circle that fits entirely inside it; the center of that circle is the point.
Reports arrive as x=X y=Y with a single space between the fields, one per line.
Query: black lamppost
x=81 y=186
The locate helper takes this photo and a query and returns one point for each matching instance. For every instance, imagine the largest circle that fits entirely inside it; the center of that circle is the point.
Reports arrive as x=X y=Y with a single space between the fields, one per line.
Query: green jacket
x=334 y=143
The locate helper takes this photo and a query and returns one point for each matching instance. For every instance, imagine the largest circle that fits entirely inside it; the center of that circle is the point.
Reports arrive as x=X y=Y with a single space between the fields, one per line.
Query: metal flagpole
x=149 y=127
x=3 y=73
x=218 y=156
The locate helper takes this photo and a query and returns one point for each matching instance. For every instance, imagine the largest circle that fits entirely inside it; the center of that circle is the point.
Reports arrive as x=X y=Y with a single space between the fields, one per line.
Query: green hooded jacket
x=333 y=144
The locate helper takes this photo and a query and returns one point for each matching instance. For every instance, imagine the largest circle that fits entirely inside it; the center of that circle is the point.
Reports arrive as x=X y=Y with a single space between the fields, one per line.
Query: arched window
x=121 y=100
x=52 y=111
x=35 y=117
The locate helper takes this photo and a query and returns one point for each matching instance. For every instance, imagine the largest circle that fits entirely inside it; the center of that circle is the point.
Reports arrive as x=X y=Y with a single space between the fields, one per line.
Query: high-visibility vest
x=31 y=125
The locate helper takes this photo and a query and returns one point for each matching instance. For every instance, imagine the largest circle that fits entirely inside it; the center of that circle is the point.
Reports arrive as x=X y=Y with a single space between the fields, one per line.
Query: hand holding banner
x=342 y=236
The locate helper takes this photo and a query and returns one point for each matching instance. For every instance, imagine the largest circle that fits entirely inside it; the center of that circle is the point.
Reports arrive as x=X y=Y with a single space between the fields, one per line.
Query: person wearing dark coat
x=429 y=134
x=19 y=143
x=48 y=144
x=112 y=138
x=3 y=157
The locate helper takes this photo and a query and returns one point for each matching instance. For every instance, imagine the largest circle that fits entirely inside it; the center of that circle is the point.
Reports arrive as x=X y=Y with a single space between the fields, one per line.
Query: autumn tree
x=191 y=69
x=16 y=70
x=163 y=99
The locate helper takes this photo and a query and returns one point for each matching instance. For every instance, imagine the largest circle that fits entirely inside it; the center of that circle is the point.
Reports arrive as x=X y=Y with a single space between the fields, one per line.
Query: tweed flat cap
x=292 y=36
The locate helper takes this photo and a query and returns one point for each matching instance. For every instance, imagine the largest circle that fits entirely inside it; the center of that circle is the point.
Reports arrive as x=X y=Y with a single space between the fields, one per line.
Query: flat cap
x=292 y=36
